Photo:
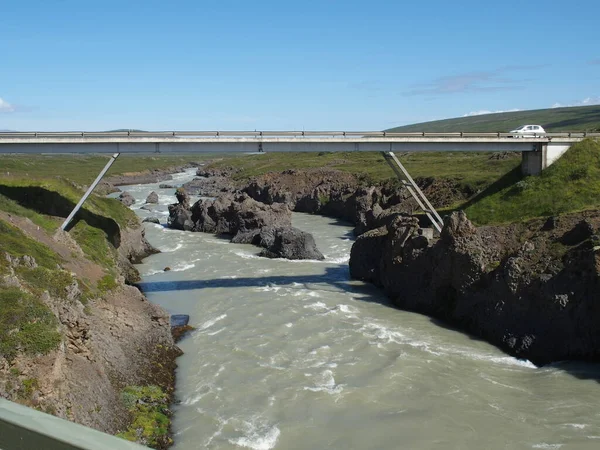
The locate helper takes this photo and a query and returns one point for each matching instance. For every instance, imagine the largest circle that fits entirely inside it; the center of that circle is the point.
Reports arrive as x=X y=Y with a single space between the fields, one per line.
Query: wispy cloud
x=500 y=79
x=485 y=111
x=585 y=102
x=6 y=107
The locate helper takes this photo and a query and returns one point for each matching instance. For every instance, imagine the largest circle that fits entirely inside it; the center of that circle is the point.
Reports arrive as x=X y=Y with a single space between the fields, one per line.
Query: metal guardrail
x=23 y=428
x=279 y=134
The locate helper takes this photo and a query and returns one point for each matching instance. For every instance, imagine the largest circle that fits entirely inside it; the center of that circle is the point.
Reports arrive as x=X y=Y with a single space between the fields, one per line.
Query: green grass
x=26 y=324
x=570 y=184
x=580 y=118
x=106 y=284
x=83 y=169
x=94 y=243
x=42 y=279
x=148 y=406
x=474 y=170
x=39 y=199
x=17 y=244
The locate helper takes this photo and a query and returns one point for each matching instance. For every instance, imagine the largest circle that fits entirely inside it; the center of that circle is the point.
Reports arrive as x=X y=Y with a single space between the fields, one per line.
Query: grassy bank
x=570 y=184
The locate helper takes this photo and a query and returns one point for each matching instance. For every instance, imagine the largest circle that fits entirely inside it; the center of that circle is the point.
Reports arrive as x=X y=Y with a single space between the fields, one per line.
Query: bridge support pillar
x=532 y=163
x=544 y=155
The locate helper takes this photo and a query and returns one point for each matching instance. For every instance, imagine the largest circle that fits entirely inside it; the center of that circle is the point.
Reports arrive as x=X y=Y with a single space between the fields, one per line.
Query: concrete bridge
x=539 y=151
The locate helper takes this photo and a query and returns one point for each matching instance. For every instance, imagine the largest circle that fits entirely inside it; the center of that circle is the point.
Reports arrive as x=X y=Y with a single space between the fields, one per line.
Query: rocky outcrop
x=520 y=287
x=289 y=243
x=209 y=186
x=180 y=216
x=239 y=216
x=152 y=197
x=126 y=198
x=247 y=221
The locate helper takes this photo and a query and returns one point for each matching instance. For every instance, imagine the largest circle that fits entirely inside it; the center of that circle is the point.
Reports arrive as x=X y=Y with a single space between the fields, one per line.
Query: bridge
x=539 y=151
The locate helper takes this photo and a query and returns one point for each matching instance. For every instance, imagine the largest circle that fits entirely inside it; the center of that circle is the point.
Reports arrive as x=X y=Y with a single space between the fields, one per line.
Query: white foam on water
x=579 y=426
x=171 y=249
x=325 y=382
x=340 y=260
x=316 y=306
x=545 y=445
x=246 y=255
x=152 y=272
x=212 y=333
x=347 y=309
x=268 y=288
x=182 y=267
x=257 y=436
x=289 y=324
x=201 y=391
x=211 y=322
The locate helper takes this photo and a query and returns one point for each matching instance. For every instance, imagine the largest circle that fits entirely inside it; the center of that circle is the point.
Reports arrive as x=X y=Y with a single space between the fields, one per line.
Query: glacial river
x=295 y=355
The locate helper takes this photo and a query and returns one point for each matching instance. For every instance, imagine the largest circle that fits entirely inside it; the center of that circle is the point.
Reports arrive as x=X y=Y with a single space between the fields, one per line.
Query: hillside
x=580 y=118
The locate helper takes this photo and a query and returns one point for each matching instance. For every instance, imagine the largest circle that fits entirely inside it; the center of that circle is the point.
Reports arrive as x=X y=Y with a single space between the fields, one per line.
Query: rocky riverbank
x=530 y=288
x=103 y=347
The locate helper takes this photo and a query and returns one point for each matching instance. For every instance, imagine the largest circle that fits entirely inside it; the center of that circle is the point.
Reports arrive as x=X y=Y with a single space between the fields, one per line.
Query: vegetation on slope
x=571 y=184
x=149 y=409
x=26 y=324
x=580 y=118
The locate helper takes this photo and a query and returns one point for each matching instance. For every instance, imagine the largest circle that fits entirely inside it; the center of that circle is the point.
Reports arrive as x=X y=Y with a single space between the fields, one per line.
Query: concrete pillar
x=533 y=163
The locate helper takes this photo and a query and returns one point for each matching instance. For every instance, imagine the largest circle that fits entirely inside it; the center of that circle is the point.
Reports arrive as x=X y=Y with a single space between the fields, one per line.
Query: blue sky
x=352 y=65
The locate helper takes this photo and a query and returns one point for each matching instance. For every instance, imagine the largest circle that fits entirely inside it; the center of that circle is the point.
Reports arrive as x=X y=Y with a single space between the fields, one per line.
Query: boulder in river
x=289 y=243
x=151 y=220
x=152 y=197
x=180 y=216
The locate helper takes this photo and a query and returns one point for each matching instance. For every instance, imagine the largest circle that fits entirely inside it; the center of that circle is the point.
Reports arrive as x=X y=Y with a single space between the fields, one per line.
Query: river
x=295 y=355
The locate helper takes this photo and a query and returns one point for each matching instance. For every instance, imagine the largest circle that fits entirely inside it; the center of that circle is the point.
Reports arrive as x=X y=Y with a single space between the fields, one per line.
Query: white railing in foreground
x=26 y=428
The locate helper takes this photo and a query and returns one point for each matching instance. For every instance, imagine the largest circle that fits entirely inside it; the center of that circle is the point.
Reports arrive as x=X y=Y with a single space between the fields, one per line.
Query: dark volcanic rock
x=505 y=284
x=180 y=216
x=289 y=243
x=126 y=198
x=579 y=233
x=152 y=197
x=238 y=215
x=209 y=187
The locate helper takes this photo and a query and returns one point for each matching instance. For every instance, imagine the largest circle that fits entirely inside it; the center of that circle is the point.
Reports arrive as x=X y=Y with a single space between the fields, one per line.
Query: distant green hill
x=579 y=118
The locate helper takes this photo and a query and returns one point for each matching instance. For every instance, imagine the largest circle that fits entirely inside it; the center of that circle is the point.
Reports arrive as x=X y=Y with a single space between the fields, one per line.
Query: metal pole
x=414 y=190
x=113 y=158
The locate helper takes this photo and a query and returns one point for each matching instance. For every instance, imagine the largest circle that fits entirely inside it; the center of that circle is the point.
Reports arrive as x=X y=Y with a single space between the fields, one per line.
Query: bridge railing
x=279 y=134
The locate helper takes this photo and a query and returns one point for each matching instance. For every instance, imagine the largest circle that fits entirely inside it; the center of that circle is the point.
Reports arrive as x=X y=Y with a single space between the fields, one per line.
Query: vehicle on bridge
x=528 y=130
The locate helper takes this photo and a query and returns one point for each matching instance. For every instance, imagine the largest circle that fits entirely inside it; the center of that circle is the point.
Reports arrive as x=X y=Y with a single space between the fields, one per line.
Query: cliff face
x=532 y=289
x=108 y=336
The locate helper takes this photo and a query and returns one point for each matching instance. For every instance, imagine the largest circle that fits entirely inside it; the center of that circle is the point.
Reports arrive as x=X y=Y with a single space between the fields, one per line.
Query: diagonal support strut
x=415 y=191
x=113 y=158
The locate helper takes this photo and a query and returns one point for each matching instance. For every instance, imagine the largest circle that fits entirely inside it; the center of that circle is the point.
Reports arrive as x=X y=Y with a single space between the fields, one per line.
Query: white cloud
x=485 y=111
x=5 y=106
x=585 y=102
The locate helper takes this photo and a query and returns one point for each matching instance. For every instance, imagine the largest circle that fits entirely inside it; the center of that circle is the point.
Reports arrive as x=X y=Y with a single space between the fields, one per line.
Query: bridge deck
x=276 y=141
